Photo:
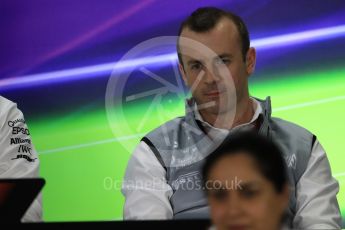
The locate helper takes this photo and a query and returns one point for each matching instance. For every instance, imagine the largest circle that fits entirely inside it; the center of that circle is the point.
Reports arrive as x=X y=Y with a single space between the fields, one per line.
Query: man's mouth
x=214 y=93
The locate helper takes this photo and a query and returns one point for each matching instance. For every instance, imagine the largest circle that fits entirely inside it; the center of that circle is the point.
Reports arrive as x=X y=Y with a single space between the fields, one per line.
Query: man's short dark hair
x=266 y=154
x=206 y=18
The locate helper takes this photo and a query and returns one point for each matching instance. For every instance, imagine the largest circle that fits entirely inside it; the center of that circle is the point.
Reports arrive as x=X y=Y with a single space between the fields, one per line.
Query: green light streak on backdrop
x=78 y=153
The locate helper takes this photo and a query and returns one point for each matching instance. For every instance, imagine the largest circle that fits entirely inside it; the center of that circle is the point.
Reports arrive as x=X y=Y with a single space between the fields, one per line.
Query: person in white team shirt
x=18 y=157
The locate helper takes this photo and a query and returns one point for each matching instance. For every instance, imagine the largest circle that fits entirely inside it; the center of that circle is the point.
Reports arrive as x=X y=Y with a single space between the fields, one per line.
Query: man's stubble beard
x=218 y=107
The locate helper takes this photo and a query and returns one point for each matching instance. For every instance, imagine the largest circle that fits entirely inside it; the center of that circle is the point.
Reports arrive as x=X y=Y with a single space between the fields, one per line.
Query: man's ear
x=250 y=60
x=183 y=73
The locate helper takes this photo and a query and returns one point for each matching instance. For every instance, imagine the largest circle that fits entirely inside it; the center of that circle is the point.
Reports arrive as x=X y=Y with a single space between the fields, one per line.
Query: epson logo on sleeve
x=16 y=130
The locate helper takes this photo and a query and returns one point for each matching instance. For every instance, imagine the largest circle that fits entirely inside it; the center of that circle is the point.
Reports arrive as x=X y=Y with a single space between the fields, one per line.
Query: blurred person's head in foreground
x=246 y=183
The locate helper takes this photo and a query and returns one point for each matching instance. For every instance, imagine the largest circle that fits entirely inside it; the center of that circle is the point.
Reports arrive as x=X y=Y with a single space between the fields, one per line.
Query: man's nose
x=211 y=76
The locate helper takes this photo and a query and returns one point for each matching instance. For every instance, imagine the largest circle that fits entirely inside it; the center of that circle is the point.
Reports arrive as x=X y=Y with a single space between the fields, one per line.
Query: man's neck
x=244 y=114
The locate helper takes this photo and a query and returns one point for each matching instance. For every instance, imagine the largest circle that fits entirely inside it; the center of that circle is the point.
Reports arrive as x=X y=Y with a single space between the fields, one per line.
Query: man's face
x=208 y=76
x=241 y=198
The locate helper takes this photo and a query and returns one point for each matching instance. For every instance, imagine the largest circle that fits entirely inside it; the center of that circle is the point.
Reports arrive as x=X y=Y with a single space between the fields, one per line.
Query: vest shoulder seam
x=155 y=151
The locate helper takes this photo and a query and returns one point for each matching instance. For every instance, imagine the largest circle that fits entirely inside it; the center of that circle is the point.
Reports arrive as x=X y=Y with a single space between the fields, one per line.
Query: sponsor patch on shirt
x=24 y=150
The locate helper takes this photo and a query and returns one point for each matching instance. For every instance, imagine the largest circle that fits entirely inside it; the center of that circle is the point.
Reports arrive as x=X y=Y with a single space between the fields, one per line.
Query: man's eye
x=196 y=66
x=222 y=61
